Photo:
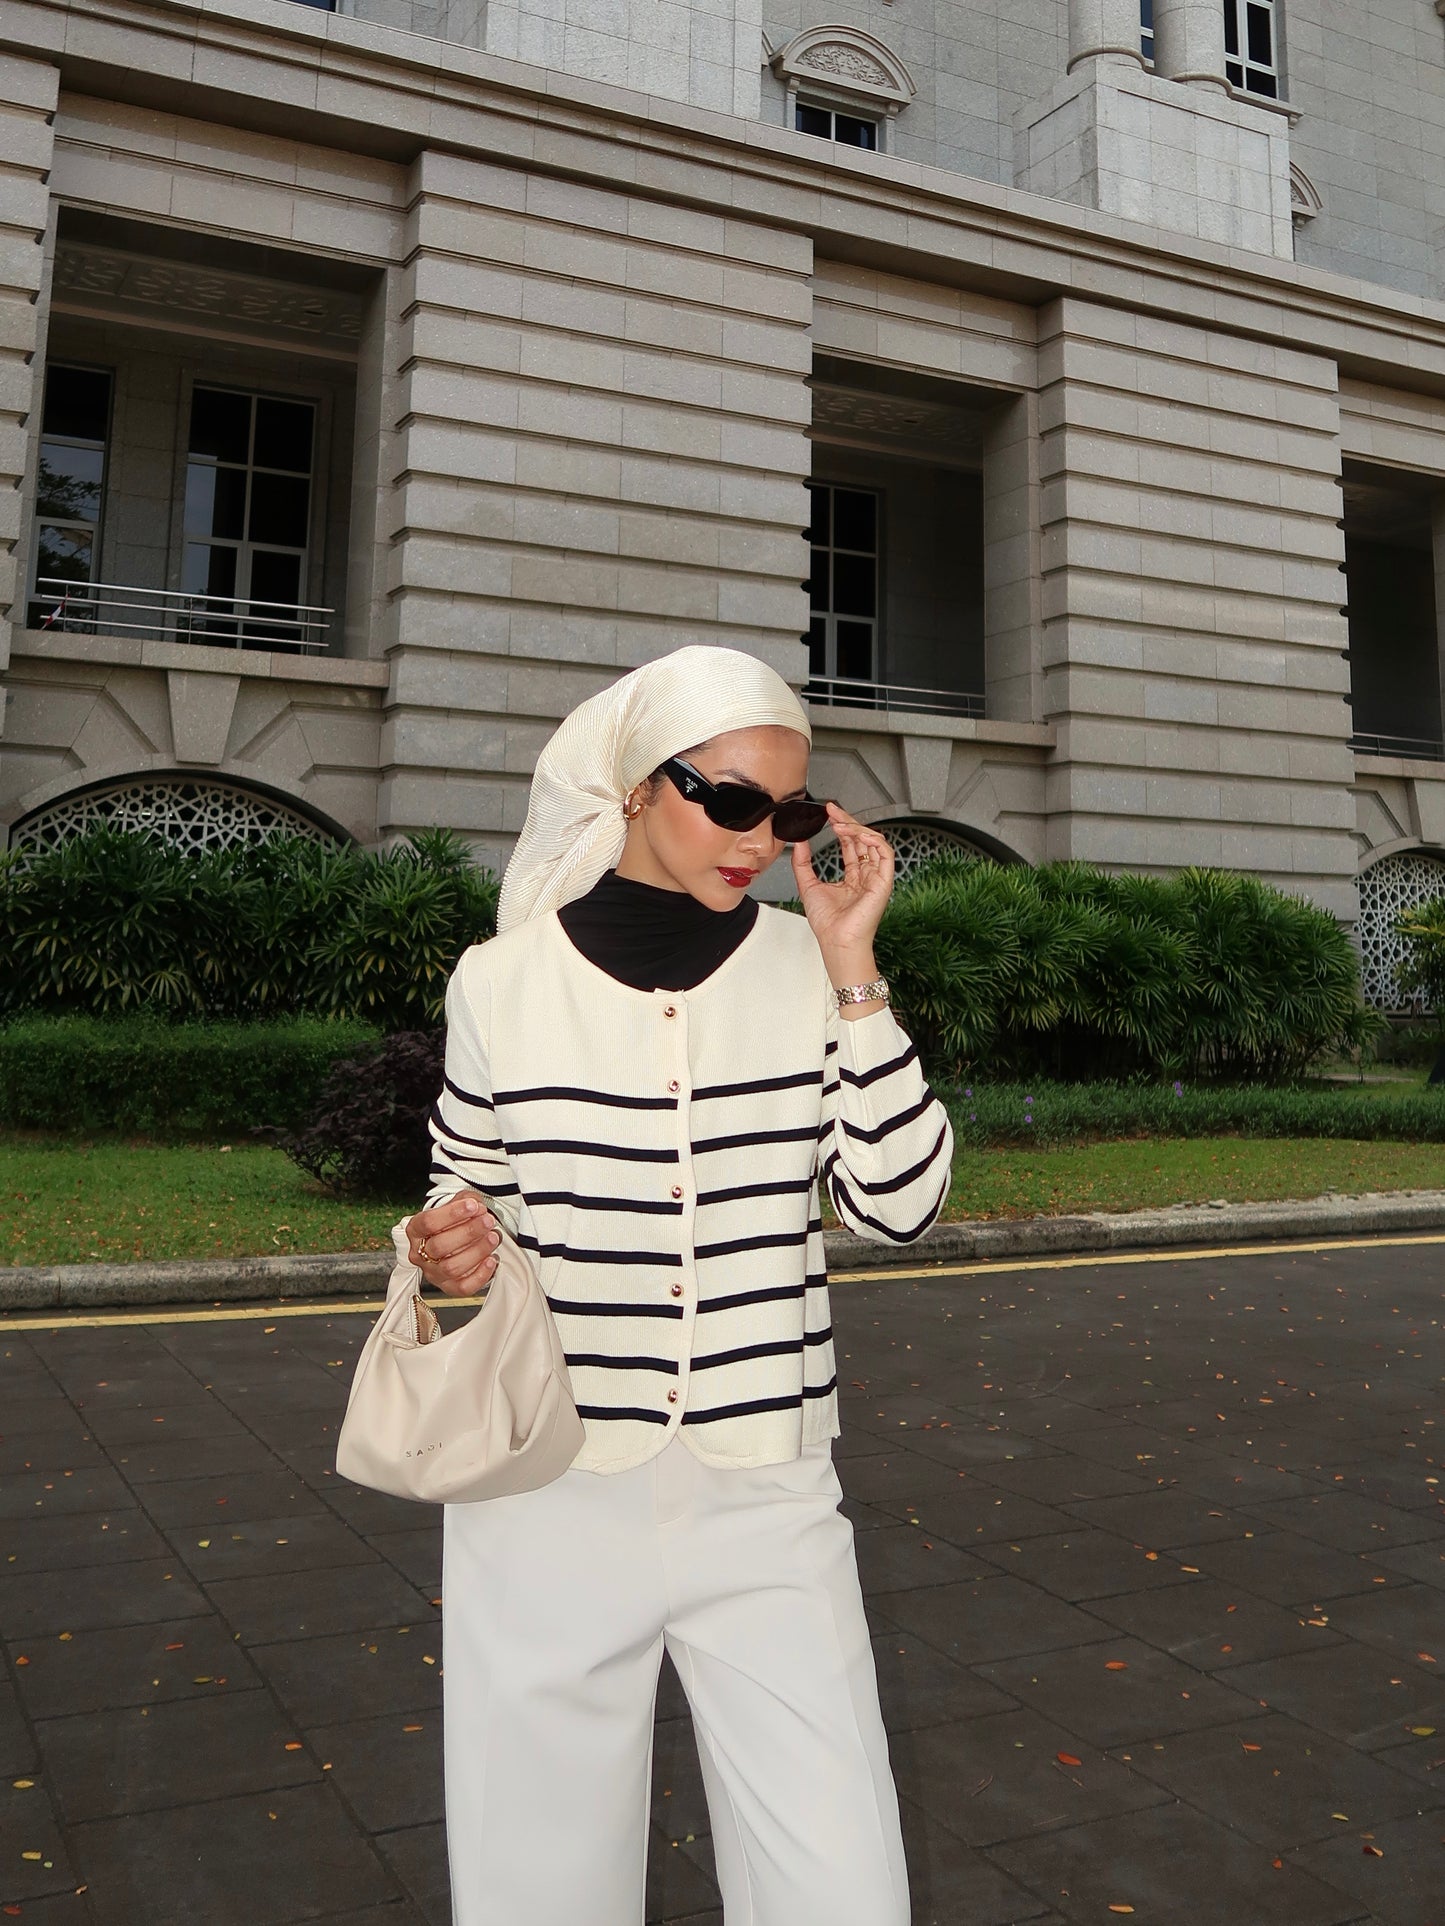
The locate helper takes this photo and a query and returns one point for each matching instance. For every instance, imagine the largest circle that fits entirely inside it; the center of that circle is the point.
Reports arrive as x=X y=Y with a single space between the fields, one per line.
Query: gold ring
x=423 y=1256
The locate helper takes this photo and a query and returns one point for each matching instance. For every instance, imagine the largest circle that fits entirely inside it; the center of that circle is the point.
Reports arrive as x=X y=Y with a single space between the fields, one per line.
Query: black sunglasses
x=732 y=805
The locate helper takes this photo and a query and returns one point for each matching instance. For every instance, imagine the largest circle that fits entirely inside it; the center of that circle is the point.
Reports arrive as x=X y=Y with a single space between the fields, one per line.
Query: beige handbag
x=482 y=1412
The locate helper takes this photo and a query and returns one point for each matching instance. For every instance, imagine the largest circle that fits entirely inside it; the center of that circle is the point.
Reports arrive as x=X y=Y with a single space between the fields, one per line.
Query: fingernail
x=496 y=1237
x=471 y=1206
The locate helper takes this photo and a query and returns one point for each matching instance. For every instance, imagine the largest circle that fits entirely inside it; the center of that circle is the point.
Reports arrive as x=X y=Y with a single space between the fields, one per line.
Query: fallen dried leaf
x=1068 y=1759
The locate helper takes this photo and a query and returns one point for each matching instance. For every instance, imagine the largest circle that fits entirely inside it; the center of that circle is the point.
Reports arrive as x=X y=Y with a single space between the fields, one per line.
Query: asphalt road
x=1154 y=1550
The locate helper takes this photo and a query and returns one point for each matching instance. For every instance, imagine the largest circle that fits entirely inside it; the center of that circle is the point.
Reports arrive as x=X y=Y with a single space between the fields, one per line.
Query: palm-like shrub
x=1067 y=972
x=1422 y=971
x=113 y=923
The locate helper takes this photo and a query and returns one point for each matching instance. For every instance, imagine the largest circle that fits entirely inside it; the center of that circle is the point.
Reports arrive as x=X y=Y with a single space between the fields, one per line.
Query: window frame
x=818 y=103
x=829 y=616
x=95 y=529
x=1241 y=69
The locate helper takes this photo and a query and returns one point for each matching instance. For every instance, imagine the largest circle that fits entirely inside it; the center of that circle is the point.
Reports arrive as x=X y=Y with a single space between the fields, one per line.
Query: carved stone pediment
x=846 y=62
x=1304 y=197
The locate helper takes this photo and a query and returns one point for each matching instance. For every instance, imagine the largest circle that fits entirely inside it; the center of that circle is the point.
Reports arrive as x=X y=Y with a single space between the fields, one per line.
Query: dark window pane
x=77 y=402
x=215 y=500
x=813 y=120
x=1231 y=26
x=279 y=507
x=818 y=527
x=1257 y=25
x=64 y=555
x=1146 y=15
x=817 y=647
x=855 y=581
x=275 y=578
x=1259 y=83
x=1234 y=73
x=850 y=132
x=220 y=424
x=283 y=435
x=855 y=650
x=69 y=482
x=855 y=520
x=818 y=580
x=208 y=570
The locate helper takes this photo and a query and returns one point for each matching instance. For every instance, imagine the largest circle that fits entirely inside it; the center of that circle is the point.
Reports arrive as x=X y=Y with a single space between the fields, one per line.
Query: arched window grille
x=913 y=844
x=1394 y=884
x=195 y=815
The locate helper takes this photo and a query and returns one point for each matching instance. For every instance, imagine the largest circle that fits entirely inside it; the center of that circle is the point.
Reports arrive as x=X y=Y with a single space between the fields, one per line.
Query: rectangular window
x=1251 y=49
x=843 y=585
x=70 y=493
x=847 y=130
x=248 y=513
x=1146 y=29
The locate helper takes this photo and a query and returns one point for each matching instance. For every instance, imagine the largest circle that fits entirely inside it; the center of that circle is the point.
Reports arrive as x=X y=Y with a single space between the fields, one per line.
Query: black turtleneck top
x=653 y=939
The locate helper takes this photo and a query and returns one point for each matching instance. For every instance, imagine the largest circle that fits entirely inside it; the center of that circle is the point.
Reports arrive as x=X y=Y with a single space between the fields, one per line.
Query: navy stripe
x=880 y=1131
x=564 y=1093
x=784 y=1187
x=703 y=1146
x=601 y=1361
x=764 y=1241
x=489 y=1189
x=885 y=1185
x=819 y=1337
x=845 y=1204
x=441 y=1128
x=753 y=1405
x=467 y=1096
x=621 y=1411
x=577 y=1201
x=572 y=1254
x=565 y=1307
x=785 y=1347
x=562 y=1146
x=796 y=1081
x=861 y=1080
x=772 y=1295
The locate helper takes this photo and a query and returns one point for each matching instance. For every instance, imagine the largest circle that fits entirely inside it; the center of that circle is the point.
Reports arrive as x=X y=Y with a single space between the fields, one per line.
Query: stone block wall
x=1192 y=626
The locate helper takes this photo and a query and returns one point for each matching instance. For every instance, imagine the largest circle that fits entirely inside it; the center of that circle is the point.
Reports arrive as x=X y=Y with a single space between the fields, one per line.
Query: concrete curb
x=93 y=1287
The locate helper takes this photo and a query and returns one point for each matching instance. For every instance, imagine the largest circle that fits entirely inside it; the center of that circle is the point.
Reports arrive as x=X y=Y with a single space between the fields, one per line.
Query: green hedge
x=165 y=1079
x=113 y=923
x=1058 y=1113
x=1069 y=973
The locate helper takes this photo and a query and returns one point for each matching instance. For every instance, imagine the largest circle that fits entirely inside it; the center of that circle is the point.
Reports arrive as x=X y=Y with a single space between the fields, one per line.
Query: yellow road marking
x=355 y=1307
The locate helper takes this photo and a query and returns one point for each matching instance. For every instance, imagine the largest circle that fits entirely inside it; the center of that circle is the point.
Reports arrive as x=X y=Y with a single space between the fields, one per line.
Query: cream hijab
x=574 y=830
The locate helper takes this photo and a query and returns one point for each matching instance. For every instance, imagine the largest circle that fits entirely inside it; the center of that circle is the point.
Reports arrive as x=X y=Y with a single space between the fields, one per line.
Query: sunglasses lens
x=732 y=807
x=799 y=822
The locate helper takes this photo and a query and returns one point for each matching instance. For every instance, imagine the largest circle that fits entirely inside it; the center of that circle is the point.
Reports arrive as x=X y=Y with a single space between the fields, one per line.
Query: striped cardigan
x=659 y=1152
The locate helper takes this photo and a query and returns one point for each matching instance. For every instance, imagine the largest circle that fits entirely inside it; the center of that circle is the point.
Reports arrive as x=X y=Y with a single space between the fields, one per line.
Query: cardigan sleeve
x=467 y=1152
x=886 y=1151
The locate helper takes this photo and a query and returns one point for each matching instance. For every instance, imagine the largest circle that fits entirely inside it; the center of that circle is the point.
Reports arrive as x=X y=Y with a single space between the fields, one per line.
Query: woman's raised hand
x=454 y=1245
x=844 y=916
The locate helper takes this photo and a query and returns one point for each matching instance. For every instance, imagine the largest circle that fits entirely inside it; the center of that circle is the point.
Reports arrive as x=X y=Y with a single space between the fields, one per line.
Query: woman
x=646 y=1075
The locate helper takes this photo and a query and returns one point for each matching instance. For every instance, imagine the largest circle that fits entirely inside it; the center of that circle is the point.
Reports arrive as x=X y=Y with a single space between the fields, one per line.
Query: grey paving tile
x=989 y=1618
x=229 y=1862
x=41 y=1544
x=918 y=1686
x=387 y=1769
x=1403 y=1620
x=123 y=1426
x=65 y=1448
x=1282 y=1567
x=1152 y=1696
x=325 y=1681
x=680 y=1884
x=950 y=1883
x=230 y=1500
x=315 y=1602
x=18 y=1754
x=1080 y=1564
x=36 y=1859
x=417 y=1555
x=417 y=1858
x=1228 y=1481
x=679 y=1803
x=231 y=1460
x=1001 y=1777
x=901 y=1557
x=101 y=1765
x=970 y=1513
x=1363 y=1697
x=1349 y=1523
x=1162 y=1520
x=46 y=1494
x=896 y=1478
x=1213 y=1626
x=233 y=1548
x=1278 y=1782
x=85 y=1598
x=129 y=1665
x=1404 y=1885
x=1425 y=1562
x=1052 y=1481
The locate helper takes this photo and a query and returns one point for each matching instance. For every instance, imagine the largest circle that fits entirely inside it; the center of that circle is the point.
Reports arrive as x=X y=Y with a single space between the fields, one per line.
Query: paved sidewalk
x=1154 y=1552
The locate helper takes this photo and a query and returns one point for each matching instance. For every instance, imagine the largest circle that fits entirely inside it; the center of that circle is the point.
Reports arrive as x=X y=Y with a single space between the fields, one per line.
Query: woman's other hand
x=454 y=1245
x=844 y=916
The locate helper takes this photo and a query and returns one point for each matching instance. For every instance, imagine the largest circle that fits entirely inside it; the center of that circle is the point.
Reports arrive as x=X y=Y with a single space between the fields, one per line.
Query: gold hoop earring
x=630 y=815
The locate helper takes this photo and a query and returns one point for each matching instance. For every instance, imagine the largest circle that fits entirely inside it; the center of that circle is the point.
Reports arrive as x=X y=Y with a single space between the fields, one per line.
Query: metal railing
x=1416 y=748
x=175 y=615
x=844 y=692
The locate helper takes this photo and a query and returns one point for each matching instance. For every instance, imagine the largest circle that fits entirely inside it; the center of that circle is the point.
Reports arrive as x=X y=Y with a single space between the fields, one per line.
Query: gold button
x=670 y=1010
x=672 y=1395
x=677 y=1290
x=677 y=1190
x=674 y=1086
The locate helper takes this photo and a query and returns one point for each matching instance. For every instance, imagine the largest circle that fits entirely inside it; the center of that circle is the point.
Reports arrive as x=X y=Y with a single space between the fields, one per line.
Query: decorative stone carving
x=1394 y=884
x=196 y=816
x=846 y=63
x=1304 y=197
x=913 y=843
x=847 y=415
x=138 y=284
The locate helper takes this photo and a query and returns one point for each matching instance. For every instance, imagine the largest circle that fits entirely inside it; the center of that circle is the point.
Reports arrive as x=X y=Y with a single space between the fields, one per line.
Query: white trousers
x=557 y=1605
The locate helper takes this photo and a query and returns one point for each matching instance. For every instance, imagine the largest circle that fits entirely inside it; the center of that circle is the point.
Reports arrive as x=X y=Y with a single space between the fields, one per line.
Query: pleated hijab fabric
x=575 y=830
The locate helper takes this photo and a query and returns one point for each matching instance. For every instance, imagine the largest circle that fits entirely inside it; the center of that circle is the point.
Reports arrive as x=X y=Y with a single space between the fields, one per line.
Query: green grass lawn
x=66 y=1202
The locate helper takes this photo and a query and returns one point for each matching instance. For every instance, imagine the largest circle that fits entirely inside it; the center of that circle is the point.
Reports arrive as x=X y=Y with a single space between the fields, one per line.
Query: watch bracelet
x=877 y=991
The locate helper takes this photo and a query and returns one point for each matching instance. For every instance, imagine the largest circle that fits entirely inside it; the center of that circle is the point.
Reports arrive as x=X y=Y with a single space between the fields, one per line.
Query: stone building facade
x=1054 y=389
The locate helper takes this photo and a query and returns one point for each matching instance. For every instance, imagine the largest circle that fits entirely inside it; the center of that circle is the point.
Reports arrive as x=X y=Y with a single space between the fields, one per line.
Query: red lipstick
x=739 y=878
